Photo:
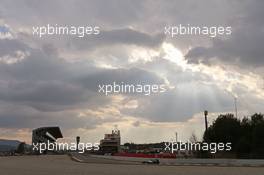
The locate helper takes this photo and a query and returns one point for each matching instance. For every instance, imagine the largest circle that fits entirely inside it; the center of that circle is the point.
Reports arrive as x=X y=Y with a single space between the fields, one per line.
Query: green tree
x=246 y=136
x=257 y=141
x=226 y=128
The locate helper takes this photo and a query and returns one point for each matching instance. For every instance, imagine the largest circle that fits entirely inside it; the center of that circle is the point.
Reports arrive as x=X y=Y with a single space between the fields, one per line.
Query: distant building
x=111 y=142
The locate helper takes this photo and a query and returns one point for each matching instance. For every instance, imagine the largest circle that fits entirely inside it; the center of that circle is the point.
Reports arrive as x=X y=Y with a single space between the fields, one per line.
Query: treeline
x=246 y=135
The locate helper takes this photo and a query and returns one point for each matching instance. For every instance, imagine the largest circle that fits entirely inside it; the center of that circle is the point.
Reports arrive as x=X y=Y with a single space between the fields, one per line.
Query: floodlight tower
x=205 y=119
x=235 y=99
x=78 y=138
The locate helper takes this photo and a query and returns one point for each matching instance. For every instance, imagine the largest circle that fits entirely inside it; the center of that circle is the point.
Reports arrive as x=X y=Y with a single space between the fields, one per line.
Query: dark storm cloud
x=245 y=47
x=48 y=83
x=118 y=36
x=43 y=89
x=127 y=76
x=45 y=96
x=43 y=81
x=22 y=116
x=107 y=13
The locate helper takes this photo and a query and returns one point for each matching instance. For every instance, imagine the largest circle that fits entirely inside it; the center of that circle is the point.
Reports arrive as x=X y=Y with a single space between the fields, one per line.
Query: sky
x=52 y=80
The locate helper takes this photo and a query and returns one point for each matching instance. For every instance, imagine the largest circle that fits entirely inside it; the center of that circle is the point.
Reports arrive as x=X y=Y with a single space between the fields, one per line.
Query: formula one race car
x=154 y=161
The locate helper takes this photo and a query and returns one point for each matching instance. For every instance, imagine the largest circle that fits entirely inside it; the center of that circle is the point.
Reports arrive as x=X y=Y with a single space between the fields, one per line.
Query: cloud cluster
x=54 y=80
x=245 y=45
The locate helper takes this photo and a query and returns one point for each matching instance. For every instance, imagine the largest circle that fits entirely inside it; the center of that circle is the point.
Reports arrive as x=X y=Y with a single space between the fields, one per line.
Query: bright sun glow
x=229 y=78
x=142 y=55
x=174 y=55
